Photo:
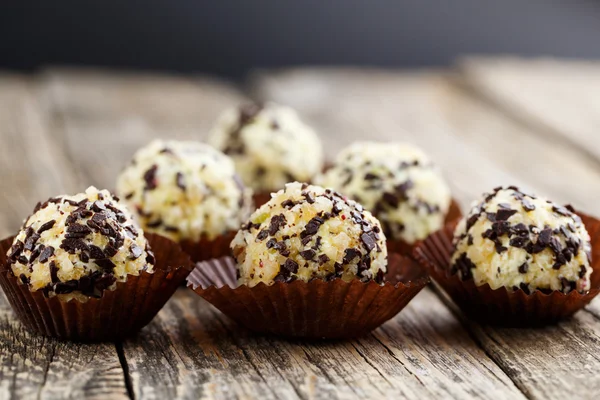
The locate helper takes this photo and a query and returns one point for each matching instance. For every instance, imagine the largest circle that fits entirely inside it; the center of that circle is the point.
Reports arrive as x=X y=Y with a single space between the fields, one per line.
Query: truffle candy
x=396 y=182
x=269 y=144
x=306 y=232
x=184 y=190
x=77 y=246
x=518 y=241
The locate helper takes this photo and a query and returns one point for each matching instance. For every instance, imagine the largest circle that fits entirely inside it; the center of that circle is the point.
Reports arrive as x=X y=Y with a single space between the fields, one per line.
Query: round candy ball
x=79 y=245
x=515 y=240
x=184 y=190
x=270 y=145
x=306 y=232
x=397 y=182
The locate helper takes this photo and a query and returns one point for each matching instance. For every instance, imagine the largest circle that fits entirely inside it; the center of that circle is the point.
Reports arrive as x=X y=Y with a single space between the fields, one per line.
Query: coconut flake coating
x=184 y=190
x=396 y=182
x=306 y=232
x=517 y=240
x=270 y=145
x=79 y=245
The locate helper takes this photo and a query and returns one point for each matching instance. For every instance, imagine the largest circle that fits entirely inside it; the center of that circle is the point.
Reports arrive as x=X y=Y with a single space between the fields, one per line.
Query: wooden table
x=487 y=122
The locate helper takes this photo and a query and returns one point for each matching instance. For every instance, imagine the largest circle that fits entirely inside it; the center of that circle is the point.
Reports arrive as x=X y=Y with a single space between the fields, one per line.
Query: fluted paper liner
x=317 y=309
x=500 y=306
x=117 y=314
x=207 y=249
x=406 y=249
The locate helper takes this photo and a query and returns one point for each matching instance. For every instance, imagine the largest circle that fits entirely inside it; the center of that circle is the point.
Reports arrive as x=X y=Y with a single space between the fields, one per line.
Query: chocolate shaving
x=503 y=214
x=290 y=265
x=369 y=240
x=53 y=272
x=523 y=268
x=72 y=245
x=98 y=206
x=105 y=264
x=312 y=227
x=277 y=222
x=135 y=251
x=66 y=287
x=262 y=235
x=309 y=196
x=288 y=203
x=15 y=250
x=180 y=181
x=46 y=226
x=150 y=178
x=350 y=254
x=110 y=251
x=323 y=259
x=46 y=254
x=96 y=252
x=308 y=254
x=31 y=240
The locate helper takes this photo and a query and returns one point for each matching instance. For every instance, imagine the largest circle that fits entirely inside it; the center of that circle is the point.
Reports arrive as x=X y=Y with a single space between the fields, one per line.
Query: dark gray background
x=230 y=37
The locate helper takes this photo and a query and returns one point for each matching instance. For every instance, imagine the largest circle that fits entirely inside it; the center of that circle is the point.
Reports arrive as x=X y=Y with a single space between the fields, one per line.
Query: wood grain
x=478 y=146
x=31 y=164
x=103 y=117
x=422 y=352
x=557 y=97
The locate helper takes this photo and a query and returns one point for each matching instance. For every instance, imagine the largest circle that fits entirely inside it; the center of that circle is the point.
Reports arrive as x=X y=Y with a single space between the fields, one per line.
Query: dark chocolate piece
x=46 y=254
x=150 y=178
x=46 y=226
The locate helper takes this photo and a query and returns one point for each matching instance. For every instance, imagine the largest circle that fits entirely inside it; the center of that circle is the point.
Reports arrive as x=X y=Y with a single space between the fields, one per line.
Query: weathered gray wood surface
x=65 y=129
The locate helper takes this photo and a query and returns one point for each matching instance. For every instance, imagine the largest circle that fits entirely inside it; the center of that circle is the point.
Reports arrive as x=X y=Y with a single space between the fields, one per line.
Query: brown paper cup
x=116 y=315
x=205 y=249
x=406 y=249
x=499 y=306
x=317 y=309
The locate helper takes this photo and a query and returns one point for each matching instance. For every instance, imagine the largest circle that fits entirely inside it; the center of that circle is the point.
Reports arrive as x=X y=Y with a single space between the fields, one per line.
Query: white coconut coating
x=270 y=145
x=184 y=190
x=517 y=240
x=306 y=232
x=397 y=182
x=79 y=245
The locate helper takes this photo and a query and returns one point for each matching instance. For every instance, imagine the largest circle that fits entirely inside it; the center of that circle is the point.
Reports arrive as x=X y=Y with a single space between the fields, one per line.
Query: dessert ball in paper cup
x=309 y=263
x=516 y=259
x=80 y=268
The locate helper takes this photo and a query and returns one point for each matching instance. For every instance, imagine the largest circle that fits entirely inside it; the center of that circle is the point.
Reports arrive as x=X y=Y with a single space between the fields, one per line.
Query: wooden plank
x=556 y=358
x=478 y=147
x=104 y=117
x=32 y=366
x=199 y=352
x=559 y=97
x=31 y=163
x=33 y=167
